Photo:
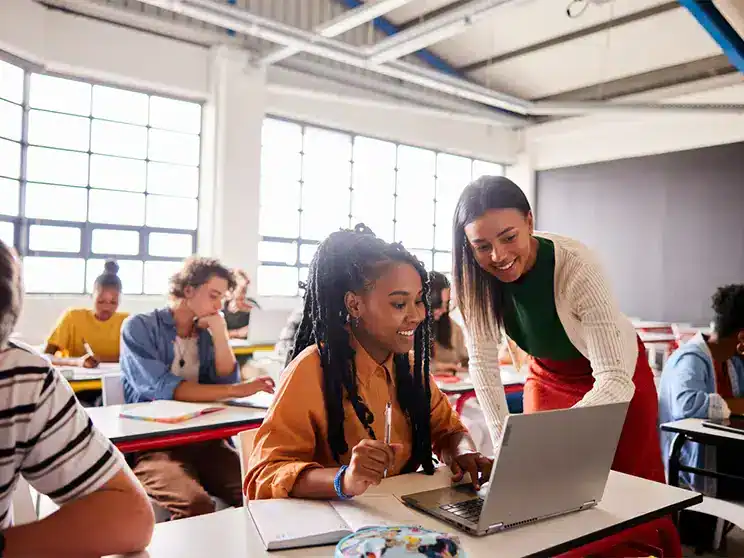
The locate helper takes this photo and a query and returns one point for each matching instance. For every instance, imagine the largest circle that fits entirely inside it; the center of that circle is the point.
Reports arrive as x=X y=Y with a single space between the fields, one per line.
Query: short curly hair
x=195 y=272
x=728 y=305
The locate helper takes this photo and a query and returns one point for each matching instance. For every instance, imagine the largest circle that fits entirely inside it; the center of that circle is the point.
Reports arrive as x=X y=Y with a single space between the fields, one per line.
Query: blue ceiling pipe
x=388 y=28
x=708 y=16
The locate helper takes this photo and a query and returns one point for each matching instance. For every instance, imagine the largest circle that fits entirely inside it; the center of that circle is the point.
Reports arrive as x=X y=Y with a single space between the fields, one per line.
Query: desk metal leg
x=677 y=443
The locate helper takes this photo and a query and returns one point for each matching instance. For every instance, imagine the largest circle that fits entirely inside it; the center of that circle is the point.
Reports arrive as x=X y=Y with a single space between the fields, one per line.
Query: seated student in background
x=47 y=438
x=99 y=327
x=237 y=309
x=285 y=344
x=182 y=352
x=365 y=311
x=450 y=354
x=704 y=379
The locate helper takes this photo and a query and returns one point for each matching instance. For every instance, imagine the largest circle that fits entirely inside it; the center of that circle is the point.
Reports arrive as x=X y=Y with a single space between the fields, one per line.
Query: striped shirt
x=45 y=435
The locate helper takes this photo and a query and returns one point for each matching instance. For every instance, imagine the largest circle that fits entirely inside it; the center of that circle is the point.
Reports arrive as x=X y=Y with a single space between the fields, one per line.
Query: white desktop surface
x=510 y=376
x=695 y=426
x=79 y=373
x=118 y=429
x=231 y=533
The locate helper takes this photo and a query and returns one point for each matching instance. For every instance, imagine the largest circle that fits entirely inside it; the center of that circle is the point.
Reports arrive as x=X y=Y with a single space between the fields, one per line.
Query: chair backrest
x=245 y=447
x=23 y=504
x=112 y=390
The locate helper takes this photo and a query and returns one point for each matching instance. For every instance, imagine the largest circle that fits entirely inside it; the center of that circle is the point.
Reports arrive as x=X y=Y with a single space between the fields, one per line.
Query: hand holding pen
x=370 y=461
x=89 y=360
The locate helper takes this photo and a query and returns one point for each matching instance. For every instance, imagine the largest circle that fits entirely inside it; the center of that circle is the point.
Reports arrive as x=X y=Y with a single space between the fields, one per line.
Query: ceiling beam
x=718 y=27
x=555 y=41
x=423 y=18
x=385 y=26
x=648 y=81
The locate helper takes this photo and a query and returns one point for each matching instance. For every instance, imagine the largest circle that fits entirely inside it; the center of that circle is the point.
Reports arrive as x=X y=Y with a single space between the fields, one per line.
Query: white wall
x=236 y=100
x=576 y=141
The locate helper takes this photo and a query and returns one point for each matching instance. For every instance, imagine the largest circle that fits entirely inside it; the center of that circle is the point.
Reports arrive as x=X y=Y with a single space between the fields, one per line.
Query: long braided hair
x=351 y=260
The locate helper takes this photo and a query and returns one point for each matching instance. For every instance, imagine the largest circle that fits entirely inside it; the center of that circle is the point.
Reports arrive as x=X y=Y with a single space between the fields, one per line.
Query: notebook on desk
x=166 y=411
x=293 y=523
x=260 y=400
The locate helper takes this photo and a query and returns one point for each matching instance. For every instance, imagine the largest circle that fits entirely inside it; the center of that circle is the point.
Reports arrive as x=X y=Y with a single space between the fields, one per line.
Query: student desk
x=511 y=378
x=628 y=501
x=243 y=347
x=693 y=430
x=138 y=435
x=88 y=379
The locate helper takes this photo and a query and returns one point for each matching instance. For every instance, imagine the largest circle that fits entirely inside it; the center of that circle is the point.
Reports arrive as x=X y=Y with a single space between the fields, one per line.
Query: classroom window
x=90 y=172
x=315 y=181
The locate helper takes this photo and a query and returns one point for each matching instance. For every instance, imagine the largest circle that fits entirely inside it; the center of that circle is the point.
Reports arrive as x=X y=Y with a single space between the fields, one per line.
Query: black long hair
x=350 y=260
x=480 y=296
x=441 y=329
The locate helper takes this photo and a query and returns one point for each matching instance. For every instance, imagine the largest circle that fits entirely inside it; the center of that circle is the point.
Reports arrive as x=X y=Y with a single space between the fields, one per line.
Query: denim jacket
x=147 y=354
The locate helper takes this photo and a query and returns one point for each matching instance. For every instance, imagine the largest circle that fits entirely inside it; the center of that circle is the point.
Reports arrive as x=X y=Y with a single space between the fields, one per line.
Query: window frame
x=22 y=224
x=300 y=241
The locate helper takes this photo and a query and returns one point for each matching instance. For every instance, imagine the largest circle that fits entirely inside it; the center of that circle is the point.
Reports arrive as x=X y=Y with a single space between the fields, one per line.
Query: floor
x=734 y=547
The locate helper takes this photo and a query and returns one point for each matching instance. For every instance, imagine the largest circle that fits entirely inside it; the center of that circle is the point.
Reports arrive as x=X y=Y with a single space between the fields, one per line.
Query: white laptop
x=548 y=464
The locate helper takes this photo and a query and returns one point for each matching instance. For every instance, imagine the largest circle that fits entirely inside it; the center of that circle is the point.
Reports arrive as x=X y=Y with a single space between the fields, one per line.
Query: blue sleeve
x=140 y=363
x=688 y=388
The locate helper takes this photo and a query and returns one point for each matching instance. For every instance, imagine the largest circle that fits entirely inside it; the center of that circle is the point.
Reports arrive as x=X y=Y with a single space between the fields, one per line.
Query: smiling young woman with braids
x=365 y=311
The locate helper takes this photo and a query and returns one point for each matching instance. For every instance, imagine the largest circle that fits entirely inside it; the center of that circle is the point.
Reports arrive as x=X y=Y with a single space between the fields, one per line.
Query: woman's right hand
x=89 y=361
x=369 y=459
x=246 y=389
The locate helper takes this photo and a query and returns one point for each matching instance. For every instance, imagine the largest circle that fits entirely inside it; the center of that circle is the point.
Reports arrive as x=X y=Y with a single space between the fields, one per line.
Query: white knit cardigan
x=593 y=323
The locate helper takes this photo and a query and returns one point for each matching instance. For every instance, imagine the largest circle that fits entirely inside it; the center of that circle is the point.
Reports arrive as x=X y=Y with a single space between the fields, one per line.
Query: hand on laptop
x=474 y=463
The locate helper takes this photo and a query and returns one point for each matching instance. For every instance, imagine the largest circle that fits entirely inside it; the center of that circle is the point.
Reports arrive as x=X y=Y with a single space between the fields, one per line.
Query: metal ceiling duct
x=345 y=22
x=230 y=17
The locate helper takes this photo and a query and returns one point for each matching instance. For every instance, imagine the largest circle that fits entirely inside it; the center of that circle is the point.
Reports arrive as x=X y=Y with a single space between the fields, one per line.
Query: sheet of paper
x=373 y=510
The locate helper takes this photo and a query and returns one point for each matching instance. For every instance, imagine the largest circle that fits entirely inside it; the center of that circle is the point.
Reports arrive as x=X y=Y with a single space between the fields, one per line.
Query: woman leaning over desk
x=549 y=295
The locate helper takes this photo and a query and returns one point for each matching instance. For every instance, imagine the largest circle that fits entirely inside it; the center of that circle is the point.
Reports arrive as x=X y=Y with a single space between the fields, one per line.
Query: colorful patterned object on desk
x=170 y=419
x=399 y=542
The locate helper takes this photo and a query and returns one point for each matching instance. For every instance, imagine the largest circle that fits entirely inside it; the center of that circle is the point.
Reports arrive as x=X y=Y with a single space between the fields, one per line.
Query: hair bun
x=361 y=228
x=111 y=267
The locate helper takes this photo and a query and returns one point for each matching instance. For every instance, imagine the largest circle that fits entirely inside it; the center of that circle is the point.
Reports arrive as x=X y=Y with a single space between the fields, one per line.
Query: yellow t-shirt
x=79 y=325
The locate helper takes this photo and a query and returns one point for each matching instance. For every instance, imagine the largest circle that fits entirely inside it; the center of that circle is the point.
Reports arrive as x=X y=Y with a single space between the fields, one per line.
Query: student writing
x=99 y=328
x=365 y=310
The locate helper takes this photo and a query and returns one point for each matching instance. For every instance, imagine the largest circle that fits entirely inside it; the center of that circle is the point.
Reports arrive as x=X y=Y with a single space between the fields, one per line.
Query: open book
x=293 y=523
x=167 y=411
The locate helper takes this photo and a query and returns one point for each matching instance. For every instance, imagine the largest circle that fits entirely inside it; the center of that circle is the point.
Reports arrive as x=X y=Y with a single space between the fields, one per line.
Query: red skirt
x=554 y=384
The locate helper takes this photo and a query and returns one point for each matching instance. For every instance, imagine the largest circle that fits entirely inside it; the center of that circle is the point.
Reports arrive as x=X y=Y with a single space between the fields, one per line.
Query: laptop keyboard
x=468 y=510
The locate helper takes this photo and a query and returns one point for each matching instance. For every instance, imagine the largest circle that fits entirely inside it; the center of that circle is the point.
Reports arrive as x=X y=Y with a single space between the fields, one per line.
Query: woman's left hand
x=478 y=465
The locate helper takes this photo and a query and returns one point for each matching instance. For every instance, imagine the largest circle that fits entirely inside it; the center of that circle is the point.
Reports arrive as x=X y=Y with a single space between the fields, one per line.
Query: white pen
x=388 y=421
